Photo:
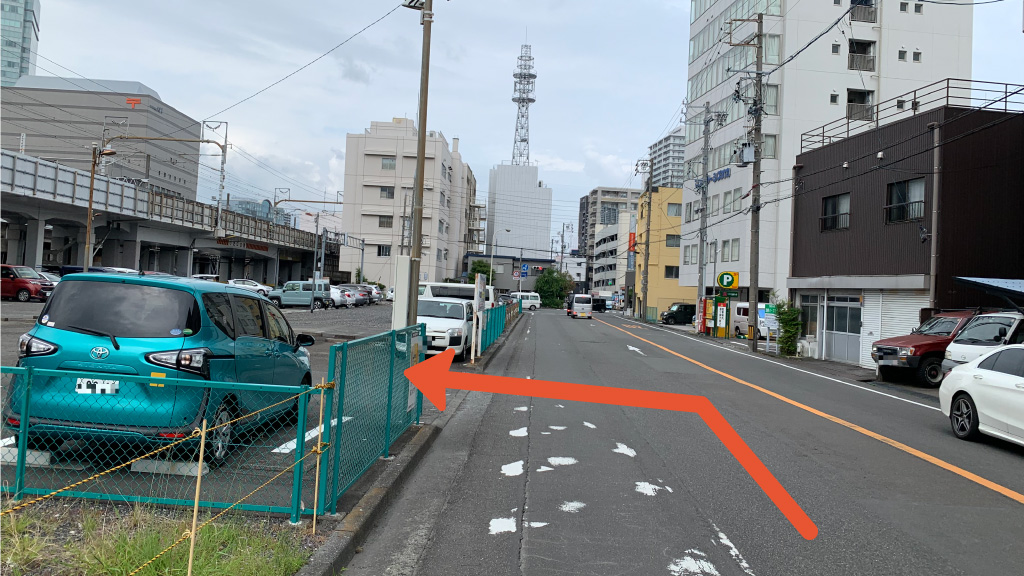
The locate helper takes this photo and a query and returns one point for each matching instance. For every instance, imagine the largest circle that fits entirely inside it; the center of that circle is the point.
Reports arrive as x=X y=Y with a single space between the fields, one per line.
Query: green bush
x=789 y=325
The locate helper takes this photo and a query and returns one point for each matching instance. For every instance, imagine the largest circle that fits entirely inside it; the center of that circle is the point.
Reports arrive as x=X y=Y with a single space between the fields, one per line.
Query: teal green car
x=297 y=293
x=101 y=329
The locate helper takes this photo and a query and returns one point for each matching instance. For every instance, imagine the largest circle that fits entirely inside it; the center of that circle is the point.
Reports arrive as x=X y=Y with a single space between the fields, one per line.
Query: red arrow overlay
x=433 y=376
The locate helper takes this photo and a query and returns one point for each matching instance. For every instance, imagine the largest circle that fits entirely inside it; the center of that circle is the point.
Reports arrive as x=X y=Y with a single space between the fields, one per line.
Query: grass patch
x=62 y=538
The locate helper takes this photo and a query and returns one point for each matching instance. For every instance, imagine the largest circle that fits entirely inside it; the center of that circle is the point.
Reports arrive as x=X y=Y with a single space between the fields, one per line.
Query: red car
x=24 y=283
x=921 y=351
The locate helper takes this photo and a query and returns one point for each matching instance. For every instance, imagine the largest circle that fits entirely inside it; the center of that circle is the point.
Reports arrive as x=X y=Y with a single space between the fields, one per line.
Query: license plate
x=888 y=362
x=96 y=386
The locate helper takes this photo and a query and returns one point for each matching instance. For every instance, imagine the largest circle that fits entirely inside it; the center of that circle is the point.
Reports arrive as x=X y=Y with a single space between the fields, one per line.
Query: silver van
x=582 y=306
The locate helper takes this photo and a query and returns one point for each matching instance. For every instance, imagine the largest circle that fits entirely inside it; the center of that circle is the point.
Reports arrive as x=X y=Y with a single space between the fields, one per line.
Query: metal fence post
x=339 y=388
x=300 y=452
x=419 y=395
x=19 y=473
x=328 y=397
x=391 y=389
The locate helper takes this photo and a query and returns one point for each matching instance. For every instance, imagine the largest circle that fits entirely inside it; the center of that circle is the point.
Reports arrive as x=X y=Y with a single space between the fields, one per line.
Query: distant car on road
x=986 y=396
x=449 y=324
x=23 y=284
x=253 y=285
x=922 y=350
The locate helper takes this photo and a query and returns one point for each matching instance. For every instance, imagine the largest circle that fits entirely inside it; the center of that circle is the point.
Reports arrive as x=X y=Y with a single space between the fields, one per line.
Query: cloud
x=557 y=164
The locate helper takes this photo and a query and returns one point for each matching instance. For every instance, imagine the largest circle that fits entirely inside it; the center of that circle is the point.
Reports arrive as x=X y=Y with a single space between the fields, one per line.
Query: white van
x=741 y=320
x=452 y=290
x=982 y=335
x=582 y=306
x=531 y=300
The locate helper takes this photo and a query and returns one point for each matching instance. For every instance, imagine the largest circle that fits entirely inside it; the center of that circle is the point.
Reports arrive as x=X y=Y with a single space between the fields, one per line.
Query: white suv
x=983 y=334
x=251 y=285
x=449 y=324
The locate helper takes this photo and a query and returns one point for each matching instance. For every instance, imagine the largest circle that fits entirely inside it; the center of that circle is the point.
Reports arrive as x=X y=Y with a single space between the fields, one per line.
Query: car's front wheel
x=276 y=302
x=262 y=292
x=318 y=304
x=24 y=295
x=963 y=417
x=670 y=320
x=929 y=372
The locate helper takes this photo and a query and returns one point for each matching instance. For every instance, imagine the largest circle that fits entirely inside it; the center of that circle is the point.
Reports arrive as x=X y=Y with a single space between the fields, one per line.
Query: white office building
x=518 y=212
x=668 y=156
x=380 y=166
x=879 y=51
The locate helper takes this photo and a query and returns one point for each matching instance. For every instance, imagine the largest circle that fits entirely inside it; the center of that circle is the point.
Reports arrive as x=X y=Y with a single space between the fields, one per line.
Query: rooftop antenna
x=525 y=78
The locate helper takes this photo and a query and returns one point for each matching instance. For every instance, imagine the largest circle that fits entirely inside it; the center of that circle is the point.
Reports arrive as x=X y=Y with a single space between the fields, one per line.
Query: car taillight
x=171 y=435
x=32 y=346
x=194 y=360
x=14 y=422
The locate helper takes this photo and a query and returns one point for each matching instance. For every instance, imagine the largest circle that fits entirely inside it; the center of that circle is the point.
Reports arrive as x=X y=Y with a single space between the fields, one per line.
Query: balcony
x=865 y=112
x=864 y=14
x=835 y=222
x=862 y=62
x=906 y=212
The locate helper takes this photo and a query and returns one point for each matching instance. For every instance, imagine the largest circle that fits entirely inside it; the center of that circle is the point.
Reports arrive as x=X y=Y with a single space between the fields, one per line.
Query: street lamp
x=97 y=154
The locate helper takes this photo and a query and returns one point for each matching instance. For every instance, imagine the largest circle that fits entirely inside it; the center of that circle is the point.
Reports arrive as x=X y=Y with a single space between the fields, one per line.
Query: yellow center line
x=1011 y=494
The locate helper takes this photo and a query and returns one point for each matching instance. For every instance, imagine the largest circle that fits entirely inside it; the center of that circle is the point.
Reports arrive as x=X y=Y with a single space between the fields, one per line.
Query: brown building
x=871 y=211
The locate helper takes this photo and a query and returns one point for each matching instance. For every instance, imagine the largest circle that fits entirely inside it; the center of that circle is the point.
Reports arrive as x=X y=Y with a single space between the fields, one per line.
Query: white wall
x=516 y=202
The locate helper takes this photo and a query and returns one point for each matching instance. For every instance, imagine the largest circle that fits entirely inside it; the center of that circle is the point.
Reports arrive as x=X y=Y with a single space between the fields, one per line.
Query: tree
x=481 y=267
x=360 y=278
x=789 y=326
x=553 y=286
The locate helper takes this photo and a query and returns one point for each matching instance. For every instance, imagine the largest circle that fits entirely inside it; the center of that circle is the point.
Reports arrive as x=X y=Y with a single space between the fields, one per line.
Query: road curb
x=341 y=546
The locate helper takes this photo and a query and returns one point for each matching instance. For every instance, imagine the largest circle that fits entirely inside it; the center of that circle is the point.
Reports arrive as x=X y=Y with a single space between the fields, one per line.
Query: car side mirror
x=304 y=340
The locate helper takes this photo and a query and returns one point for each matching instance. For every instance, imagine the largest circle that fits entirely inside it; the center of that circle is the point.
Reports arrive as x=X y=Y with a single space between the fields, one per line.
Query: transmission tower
x=525 y=78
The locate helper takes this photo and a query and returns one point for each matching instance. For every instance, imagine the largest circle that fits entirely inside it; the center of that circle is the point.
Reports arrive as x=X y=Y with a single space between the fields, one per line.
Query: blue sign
x=720 y=175
x=524 y=274
x=525 y=268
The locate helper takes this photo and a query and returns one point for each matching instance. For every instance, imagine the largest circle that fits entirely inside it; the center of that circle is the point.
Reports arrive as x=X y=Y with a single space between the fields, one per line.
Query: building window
x=902 y=55
x=440 y=226
x=726 y=202
x=443 y=204
x=835 y=48
x=835 y=212
x=837 y=2
x=769 y=145
x=904 y=6
x=771 y=99
x=383 y=251
x=385 y=221
x=918 y=8
x=917 y=57
x=671 y=271
x=387 y=163
x=672 y=240
x=809 y=315
x=714 y=205
x=735 y=248
x=833 y=99
x=737 y=199
x=905 y=201
x=689 y=212
x=675 y=210
x=901 y=104
x=387 y=192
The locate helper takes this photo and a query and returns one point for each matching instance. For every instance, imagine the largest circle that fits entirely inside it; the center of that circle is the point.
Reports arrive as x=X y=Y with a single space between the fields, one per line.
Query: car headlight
x=32 y=346
x=948 y=355
x=874 y=349
x=455 y=331
x=906 y=351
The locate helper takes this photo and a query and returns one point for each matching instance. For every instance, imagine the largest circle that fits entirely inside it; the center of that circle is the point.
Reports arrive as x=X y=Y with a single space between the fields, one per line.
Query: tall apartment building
x=519 y=202
x=20 y=33
x=668 y=158
x=602 y=207
x=879 y=51
x=60 y=118
x=380 y=167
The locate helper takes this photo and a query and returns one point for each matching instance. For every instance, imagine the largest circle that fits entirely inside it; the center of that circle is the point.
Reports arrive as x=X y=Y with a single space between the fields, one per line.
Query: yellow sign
x=729 y=280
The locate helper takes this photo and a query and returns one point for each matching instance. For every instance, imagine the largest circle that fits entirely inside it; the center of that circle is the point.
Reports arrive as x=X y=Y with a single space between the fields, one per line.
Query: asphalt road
x=521 y=486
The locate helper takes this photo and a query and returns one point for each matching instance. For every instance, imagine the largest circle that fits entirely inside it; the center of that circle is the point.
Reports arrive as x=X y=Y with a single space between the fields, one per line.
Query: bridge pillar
x=15 y=244
x=34 y=243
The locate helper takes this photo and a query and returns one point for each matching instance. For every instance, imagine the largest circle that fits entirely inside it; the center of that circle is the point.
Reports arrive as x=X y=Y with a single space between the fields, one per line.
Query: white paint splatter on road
x=589 y=425
x=561 y=461
x=546 y=433
x=536 y=524
x=513 y=469
x=635 y=349
x=518 y=432
x=571 y=507
x=695 y=563
x=557 y=427
x=733 y=551
x=499 y=525
x=650 y=489
x=559 y=406
x=623 y=449
x=544 y=469
x=521 y=408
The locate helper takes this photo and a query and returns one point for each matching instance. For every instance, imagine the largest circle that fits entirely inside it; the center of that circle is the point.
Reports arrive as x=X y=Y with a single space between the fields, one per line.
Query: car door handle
x=979 y=377
x=1021 y=386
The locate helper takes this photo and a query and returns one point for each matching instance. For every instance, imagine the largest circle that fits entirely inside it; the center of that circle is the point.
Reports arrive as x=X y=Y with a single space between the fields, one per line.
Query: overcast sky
x=611 y=76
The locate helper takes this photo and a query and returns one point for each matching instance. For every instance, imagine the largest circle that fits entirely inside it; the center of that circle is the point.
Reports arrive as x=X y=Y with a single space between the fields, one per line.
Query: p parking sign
x=729 y=280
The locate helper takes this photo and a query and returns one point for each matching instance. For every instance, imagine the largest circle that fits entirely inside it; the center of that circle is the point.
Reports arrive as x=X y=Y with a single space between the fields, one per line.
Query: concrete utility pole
x=649 y=164
x=709 y=118
x=933 y=269
x=412 y=291
x=96 y=155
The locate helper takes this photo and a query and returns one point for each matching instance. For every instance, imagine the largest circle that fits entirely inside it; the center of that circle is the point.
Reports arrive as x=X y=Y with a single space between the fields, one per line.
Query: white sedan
x=341 y=297
x=986 y=395
x=449 y=324
x=251 y=285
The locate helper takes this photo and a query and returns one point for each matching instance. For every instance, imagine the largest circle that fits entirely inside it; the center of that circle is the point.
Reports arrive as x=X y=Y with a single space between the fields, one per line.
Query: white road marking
x=518 y=432
x=557 y=427
x=650 y=489
x=546 y=433
x=289 y=446
x=527 y=330
x=733 y=551
x=635 y=349
x=808 y=372
x=589 y=425
x=529 y=377
x=521 y=408
x=571 y=507
x=621 y=448
x=536 y=524
x=513 y=469
x=499 y=525
x=559 y=406
x=561 y=461
x=545 y=469
x=695 y=563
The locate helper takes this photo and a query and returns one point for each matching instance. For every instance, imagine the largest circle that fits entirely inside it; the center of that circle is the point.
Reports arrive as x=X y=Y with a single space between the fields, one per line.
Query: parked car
x=372 y=292
x=53 y=278
x=341 y=298
x=390 y=296
x=531 y=300
x=253 y=285
x=360 y=294
x=505 y=299
x=986 y=395
x=454 y=290
x=298 y=293
x=120 y=270
x=23 y=284
x=740 y=321
x=207 y=277
x=449 y=324
x=155 y=273
x=981 y=335
x=922 y=350
x=599 y=304
x=65 y=270
x=165 y=327
x=679 y=313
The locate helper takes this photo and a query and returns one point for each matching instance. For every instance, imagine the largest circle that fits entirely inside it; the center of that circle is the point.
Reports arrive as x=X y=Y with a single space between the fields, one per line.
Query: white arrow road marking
x=289 y=446
x=635 y=349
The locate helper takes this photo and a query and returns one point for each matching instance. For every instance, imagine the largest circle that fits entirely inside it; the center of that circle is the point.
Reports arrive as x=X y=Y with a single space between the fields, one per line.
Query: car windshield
x=26 y=272
x=143 y=311
x=939 y=326
x=434 y=309
x=985 y=331
x=673 y=308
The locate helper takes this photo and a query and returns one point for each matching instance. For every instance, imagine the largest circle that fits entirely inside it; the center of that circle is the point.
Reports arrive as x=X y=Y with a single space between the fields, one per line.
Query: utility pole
x=412 y=291
x=709 y=118
x=640 y=167
x=561 y=258
x=316 y=271
x=520 y=272
x=756 y=109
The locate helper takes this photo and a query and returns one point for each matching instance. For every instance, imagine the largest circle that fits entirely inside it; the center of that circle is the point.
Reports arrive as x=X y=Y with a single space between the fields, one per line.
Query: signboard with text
x=729 y=280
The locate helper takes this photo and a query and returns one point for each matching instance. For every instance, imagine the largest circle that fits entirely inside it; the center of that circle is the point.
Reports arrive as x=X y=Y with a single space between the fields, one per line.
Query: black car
x=599 y=304
x=679 y=313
